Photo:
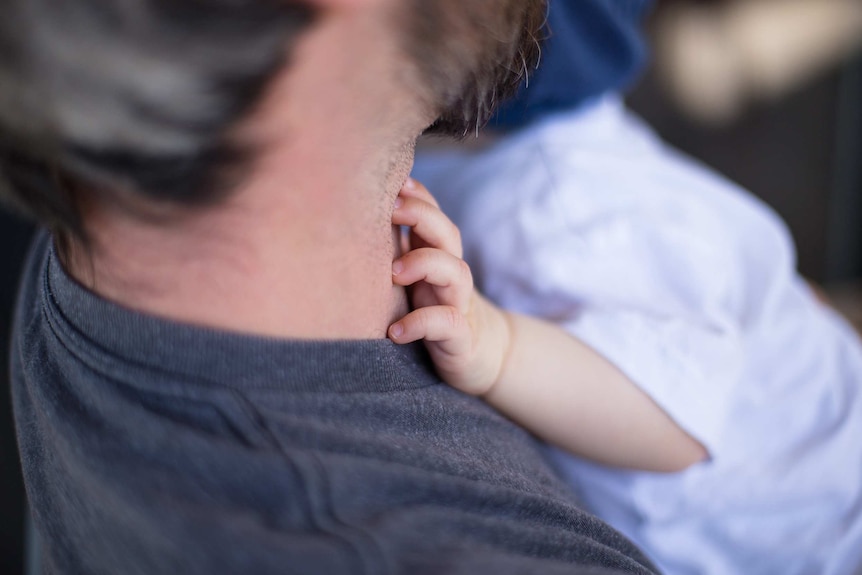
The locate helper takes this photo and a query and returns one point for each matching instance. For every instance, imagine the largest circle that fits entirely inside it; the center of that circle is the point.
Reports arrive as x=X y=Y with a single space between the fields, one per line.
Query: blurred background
x=14 y=236
x=767 y=92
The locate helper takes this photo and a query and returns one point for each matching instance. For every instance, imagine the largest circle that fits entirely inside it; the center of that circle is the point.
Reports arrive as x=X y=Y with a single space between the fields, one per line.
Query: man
x=200 y=376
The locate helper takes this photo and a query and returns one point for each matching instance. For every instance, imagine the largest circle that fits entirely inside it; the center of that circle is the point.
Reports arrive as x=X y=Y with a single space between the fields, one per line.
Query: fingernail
x=398 y=202
x=397 y=267
x=396 y=330
x=410 y=184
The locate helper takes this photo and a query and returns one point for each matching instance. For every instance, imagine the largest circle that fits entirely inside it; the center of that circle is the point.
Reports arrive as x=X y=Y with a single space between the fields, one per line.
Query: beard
x=473 y=54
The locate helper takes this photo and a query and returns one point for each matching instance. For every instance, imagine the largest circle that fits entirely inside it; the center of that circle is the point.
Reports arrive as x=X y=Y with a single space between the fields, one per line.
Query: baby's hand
x=467 y=336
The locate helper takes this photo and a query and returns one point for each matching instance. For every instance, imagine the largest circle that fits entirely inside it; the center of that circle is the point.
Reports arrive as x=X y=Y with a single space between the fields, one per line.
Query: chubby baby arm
x=532 y=371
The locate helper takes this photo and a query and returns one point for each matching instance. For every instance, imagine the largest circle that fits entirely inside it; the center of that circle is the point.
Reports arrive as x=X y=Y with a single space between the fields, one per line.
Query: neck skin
x=304 y=248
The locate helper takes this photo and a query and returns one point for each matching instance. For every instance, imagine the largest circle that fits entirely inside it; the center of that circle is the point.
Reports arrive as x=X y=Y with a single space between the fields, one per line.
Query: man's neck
x=304 y=248
x=274 y=260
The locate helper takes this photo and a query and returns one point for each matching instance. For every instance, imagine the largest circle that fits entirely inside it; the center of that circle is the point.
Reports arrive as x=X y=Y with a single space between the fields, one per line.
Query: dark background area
x=801 y=154
x=14 y=237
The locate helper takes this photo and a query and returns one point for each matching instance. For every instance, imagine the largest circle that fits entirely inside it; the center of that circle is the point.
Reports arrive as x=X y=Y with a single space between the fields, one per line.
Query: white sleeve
x=657 y=263
x=689 y=370
x=656 y=304
x=652 y=285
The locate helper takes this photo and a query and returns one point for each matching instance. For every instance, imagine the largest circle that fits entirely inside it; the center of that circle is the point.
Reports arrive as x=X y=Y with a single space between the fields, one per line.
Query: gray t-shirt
x=155 y=447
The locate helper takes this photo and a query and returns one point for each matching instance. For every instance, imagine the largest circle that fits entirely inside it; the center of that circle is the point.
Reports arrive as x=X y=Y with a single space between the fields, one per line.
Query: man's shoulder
x=209 y=452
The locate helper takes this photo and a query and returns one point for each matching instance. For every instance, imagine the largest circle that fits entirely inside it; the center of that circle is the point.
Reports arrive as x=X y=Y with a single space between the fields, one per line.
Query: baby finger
x=415 y=189
x=428 y=224
x=443 y=325
x=449 y=276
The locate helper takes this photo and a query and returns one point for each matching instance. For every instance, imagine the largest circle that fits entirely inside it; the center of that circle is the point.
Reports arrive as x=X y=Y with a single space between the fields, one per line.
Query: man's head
x=144 y=96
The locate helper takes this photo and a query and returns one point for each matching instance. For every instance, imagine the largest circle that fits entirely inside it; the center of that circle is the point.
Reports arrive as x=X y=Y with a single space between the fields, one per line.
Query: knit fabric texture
x=152 y=447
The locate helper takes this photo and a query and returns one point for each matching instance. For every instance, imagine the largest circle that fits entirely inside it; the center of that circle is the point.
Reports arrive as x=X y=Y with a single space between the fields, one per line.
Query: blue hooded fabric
x=593 y=47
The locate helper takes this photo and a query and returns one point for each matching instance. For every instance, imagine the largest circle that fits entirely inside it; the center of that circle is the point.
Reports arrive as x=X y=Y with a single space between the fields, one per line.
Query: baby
x=696 y=393
x=532 y=371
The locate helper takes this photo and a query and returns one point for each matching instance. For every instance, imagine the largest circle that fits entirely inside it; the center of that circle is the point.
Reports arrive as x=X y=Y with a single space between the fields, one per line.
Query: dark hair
x=137 y=95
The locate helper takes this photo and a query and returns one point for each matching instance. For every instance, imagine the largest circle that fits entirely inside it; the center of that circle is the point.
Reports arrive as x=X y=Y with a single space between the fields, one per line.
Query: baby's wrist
x=504 y=326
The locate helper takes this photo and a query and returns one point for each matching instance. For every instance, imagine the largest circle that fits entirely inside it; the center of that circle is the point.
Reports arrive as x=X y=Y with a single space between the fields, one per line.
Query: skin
x=304 y=247
x=530 y=370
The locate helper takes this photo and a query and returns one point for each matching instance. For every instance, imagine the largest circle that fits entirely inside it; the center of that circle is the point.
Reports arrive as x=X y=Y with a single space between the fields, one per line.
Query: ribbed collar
x=116 y=341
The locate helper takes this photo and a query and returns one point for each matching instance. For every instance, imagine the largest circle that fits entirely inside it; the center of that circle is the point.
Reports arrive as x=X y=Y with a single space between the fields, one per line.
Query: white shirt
x=688 y=285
